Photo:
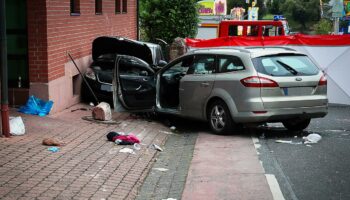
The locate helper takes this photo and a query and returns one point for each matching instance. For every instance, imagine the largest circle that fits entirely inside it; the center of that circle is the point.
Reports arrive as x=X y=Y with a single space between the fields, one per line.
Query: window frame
x=118 y=5
x=98 y=7
x=75 y=7
x=124 y=6
x=219 y=57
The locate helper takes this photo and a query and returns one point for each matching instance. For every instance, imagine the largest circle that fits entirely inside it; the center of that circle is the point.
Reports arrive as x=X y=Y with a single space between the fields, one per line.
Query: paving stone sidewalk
x=87 y=167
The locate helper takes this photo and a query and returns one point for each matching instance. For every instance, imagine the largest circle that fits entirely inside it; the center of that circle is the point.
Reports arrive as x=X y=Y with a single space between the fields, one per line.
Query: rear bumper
x=278 y=115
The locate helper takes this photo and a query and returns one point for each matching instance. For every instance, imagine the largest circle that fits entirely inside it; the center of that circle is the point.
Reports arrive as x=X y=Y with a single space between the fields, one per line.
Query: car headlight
x=90 y=74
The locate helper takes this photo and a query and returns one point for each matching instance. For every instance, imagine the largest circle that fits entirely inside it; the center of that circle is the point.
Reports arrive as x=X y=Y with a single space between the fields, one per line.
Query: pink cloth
x=127 y=138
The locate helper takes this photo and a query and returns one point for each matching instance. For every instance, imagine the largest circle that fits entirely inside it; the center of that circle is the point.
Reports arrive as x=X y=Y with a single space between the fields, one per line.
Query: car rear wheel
x=219 y=117
x=296 y=124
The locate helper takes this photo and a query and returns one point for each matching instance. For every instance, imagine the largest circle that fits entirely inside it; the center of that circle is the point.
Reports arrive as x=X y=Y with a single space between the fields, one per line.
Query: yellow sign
x=206 y=7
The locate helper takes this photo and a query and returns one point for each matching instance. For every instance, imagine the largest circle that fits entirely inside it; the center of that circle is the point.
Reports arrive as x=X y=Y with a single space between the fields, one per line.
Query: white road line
x=274 y=187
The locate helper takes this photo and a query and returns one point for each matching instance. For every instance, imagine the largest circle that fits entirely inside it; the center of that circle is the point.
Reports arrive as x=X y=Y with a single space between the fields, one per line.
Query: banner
x=206 y=7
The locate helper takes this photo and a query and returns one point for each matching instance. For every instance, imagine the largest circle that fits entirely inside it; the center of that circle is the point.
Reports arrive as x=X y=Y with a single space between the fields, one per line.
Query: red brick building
x=40 y=34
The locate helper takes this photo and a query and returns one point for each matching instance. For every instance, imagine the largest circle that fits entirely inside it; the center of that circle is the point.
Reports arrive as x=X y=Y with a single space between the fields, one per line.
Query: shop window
x=117 y=6
x=98 y=7
x=125 y=6
x=74 y=7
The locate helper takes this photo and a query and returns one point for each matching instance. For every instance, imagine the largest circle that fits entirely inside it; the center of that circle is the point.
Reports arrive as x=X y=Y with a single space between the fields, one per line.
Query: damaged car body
x=104 y=49
x=227 y=87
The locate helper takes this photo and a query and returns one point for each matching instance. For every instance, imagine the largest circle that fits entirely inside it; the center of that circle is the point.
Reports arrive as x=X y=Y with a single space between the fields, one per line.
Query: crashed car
x=104 y=50
x=228 y=87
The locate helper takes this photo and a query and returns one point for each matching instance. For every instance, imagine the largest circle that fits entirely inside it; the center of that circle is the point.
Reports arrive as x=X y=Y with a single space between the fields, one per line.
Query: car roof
x=252 y=51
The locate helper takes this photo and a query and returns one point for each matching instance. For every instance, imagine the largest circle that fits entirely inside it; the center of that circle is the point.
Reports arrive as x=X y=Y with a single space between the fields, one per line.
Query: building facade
x=41 y=33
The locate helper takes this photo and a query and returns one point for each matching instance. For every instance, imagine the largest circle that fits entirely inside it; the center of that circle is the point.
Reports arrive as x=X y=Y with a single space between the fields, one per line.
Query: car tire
x=296 y=124
x=219 y=118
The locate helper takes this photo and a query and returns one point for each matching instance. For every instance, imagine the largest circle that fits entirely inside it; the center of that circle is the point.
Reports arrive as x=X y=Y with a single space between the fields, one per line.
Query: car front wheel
x=296 y=124
x=219 y=117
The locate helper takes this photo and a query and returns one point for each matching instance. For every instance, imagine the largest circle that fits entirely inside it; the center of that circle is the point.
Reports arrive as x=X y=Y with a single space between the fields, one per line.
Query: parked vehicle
x=104 y=49
x=228 y=87
x=209 y=29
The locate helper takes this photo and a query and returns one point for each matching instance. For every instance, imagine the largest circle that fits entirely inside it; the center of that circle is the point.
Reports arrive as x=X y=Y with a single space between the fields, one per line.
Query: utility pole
x=4 y=78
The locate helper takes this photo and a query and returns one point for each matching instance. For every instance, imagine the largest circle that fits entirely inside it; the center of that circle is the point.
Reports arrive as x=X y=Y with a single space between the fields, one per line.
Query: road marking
x=274 y=187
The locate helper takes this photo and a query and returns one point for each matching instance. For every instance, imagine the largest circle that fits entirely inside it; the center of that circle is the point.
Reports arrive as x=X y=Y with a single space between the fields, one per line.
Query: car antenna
x=92 y=92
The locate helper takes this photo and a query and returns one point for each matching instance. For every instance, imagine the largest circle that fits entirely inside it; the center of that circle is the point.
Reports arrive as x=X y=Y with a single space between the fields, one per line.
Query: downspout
x=4 y=78
x=137 y=19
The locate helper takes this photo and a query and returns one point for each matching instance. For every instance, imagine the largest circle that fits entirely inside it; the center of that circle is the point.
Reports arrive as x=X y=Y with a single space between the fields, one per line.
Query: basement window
x=74 y=7
x=125 y=6
x=117 y=6
x=98 y=7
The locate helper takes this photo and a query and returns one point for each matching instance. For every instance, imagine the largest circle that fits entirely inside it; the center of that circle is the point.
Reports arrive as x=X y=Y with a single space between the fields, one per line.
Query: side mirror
x=162 y=63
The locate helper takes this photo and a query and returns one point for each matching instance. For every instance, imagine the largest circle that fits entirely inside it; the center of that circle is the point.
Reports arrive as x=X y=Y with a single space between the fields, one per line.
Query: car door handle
x=205 y=84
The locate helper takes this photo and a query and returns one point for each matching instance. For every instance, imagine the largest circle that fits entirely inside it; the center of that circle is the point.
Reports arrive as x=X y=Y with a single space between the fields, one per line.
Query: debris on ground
x=36 y=106
x=312 y=138
x=169 y=199
x=161 y=169
x=84 y=109
x=102 y=112
x=52 y=142
x=156 y=147
x=127 y=150
x=122 y=139
x=172 y=128
x=17 y=126
x=284 y=141
x=308 y=145
x=91 y=104
x=53 y=149
x=137 y=146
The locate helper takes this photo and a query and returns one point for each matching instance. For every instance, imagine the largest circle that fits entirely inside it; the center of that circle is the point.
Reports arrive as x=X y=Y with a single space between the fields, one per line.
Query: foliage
x=324 y=26
x=299 y=13
x=168 y=19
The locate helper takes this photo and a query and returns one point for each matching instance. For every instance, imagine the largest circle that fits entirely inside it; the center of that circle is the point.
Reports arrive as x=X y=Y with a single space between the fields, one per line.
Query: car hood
x=121 y=46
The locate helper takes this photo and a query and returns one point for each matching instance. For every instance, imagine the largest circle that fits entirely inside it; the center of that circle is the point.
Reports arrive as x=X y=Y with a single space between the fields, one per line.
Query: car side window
x=132 y=66
x=203 y=64
x=230 y=63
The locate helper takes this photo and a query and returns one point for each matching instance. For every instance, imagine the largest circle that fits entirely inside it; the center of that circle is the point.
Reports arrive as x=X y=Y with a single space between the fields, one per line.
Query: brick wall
x=53 y=32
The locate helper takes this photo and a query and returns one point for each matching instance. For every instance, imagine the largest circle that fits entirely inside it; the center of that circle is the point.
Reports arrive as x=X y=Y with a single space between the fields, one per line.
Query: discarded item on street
x=122 y=139
x=84 y=109
x=36 y=106
x=309 y=145
x=17 y=126
x=91 y=119
x=312 y=138
x=172 y=128
x=161 y=169
x=91 y=104
x=52 y=142
x=53 y=149
x=156 y=147
x=137 y=146
x=127 y=150
x=284 y=141
x=102 y=112
x=169 y=199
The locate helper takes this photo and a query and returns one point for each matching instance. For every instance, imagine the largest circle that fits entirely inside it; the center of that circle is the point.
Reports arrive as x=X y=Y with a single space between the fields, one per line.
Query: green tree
x=168 y=19
x=324 y=26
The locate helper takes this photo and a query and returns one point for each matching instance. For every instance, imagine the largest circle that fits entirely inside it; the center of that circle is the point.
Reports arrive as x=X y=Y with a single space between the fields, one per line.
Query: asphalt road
x=316 y=171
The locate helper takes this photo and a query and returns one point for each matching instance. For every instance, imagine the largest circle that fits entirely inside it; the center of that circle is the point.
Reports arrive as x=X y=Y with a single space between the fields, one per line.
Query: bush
x=324 y=26
x=168 y=19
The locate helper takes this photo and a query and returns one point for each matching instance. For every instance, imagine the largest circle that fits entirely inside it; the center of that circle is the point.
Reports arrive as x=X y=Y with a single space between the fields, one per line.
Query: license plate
x=107 y=88
x=298 y=91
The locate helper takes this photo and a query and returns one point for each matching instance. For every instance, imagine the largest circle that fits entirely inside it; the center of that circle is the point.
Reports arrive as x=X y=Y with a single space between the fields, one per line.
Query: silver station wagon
x=228 y=87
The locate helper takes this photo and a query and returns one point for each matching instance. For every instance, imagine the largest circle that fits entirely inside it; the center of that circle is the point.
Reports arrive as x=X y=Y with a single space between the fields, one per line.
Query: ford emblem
x=298 y=79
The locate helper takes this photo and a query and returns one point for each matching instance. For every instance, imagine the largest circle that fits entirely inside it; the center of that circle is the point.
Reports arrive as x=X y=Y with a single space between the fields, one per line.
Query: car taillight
x=323 y=80
x=256 y=81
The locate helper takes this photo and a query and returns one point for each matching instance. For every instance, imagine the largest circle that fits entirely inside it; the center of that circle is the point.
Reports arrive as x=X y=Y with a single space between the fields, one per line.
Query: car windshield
x=285 y=65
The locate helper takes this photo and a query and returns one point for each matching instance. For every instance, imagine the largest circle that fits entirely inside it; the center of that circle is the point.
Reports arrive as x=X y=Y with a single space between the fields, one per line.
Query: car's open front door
x=133 y=84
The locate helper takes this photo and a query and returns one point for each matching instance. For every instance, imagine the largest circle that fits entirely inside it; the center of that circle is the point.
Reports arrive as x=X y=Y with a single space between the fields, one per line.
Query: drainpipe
x=4 y=78
x=137 y=19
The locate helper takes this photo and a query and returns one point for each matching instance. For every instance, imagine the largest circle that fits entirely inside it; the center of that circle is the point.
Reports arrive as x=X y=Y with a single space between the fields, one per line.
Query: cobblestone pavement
x=87 y=167
x=176 y=158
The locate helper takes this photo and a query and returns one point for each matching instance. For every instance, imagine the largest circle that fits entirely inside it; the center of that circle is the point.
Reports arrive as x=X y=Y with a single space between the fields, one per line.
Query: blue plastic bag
x=36 y=106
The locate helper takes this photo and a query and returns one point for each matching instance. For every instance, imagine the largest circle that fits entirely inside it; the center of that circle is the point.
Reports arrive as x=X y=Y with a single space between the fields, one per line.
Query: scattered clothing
x=120 y=138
